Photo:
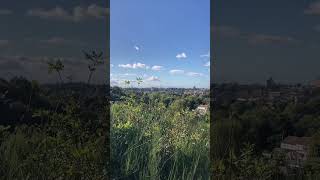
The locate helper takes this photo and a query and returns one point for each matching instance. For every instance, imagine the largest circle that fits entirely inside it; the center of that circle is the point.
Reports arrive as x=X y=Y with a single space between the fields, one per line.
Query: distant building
x=270 y=83
x=202 y=109
x=296 y=150
x=273 y=95
x=315 y=83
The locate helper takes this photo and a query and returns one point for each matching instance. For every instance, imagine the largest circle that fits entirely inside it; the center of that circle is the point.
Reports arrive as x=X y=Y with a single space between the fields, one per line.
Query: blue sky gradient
x=165 y=42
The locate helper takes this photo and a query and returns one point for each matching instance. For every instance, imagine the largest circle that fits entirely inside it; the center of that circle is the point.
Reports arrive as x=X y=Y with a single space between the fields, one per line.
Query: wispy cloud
x=176 y=71
x=157 y=68
x=225 y=31
x=97 y=11
x=269 y=39
x=5 y=12
x=207 y=64
x=181 y=55
x=313 y=8
x=77 y=14
x=153 y=78
x=252 y=38
x=182 y=72
x=133 y=66
x=55 y=13
x=194 y=74
x=128 y=74
x=56 y=41
x=4 y=42
x=205 y=55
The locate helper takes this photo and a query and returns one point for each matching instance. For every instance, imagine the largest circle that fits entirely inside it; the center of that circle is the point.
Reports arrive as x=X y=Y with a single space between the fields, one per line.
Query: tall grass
x=152 y=141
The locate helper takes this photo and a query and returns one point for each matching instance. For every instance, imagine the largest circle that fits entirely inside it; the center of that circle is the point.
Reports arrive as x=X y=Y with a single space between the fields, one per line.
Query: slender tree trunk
x=30 y=98
x=90 y=76
x=61 y=98
x=60 y=77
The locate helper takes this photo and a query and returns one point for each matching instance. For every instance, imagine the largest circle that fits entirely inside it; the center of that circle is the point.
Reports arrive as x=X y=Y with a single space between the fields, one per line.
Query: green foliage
x=139 y=80
x=57 y=66
x=246 y=165
x=264 y=126
x=53 y=132
x=65 y=146
x=156 y=139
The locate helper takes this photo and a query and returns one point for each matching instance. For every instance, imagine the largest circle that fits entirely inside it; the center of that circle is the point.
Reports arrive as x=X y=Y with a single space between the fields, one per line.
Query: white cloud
x=153 y=78
x=194 y=74
x=137 y=48
x=55 y=41
x=269 y=39
x=97 y=11
x=55 y=13
x=78 y=13
x=157 y=68
x=181 y=56
x=205 y=55
x=5 y=12
x=138 y=65
x=125 y=65
x=176 y=71
x=111 y=65
x=207 y=64
x=128 y=74
x=133 y=66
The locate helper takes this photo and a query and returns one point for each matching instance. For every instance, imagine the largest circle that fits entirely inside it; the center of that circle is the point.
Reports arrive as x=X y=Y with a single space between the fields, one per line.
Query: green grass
x=152 y=141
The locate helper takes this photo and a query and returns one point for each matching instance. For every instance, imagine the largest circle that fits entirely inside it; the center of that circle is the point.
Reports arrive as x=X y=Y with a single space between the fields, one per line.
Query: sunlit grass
x=151 y=141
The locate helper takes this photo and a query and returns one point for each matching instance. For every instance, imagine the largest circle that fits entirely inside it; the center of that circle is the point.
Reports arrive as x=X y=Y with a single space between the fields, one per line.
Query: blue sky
x=165 y=42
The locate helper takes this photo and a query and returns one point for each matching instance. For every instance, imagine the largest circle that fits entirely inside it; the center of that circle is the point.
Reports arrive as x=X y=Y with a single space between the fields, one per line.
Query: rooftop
x=293 y=140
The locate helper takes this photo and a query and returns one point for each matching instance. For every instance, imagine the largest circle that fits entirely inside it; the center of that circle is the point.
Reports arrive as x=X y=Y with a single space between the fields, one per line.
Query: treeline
x=190 y=102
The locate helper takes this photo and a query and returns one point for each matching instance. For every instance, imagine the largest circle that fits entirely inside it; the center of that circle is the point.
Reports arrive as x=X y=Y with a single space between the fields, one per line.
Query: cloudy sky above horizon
x=166 y=43
x=254 y=40
x=35 y=31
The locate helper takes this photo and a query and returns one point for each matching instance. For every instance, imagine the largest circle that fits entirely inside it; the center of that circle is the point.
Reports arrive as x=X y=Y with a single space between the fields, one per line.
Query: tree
x=95 y=59
x=139 y=80
x=57 y=66
x=127 y=83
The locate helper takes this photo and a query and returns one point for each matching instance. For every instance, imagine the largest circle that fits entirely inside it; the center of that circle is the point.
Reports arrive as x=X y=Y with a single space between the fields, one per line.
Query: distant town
x=269 y=93
x=294 y=140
